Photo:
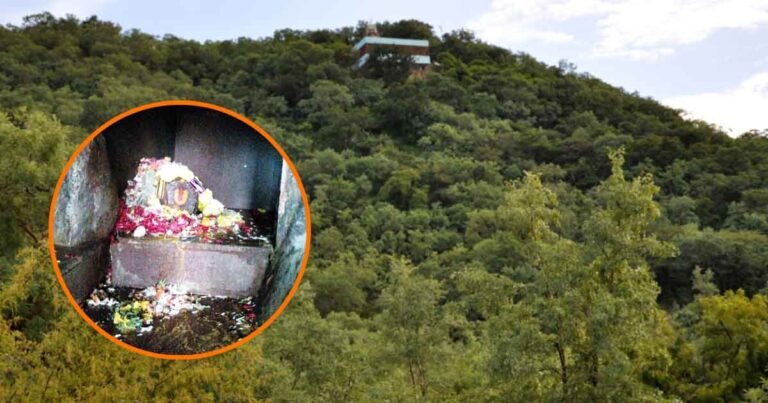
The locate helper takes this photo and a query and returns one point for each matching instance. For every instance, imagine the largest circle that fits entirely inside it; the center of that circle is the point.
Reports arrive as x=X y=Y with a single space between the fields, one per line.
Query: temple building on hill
x=418 y=49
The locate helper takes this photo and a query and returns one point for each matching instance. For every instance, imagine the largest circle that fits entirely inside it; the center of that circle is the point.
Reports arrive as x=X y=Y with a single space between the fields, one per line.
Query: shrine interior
x=241 y=167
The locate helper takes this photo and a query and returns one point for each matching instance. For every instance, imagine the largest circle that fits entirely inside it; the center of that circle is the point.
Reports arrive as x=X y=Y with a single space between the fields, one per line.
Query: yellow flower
x=204 y=199
x=208 y=205
x=228 y=219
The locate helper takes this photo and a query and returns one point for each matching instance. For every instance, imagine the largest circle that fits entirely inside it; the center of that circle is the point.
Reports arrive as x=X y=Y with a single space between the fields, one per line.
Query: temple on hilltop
x=417 y=49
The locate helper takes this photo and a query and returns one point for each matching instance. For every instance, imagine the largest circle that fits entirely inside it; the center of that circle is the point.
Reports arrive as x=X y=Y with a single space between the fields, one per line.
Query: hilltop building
x=418 y=49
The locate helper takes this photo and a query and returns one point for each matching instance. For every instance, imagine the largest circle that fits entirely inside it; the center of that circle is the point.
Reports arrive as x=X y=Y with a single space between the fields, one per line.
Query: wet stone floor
x=166 y=320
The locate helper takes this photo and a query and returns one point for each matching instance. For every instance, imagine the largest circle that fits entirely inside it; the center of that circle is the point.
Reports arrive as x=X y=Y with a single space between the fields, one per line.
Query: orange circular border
x=269 y=320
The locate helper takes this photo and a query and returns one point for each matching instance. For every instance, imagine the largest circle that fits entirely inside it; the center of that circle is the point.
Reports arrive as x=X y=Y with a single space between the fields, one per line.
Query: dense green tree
x=40 y=146
x=723 y=349
x=471 y=240
x=572 y=320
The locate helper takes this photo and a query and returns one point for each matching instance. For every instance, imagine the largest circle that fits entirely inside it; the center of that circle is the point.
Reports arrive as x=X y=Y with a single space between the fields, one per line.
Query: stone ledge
x=201 y=268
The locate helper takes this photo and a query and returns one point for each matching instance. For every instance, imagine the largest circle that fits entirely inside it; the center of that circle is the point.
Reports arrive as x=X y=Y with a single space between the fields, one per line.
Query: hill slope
x=440 y=270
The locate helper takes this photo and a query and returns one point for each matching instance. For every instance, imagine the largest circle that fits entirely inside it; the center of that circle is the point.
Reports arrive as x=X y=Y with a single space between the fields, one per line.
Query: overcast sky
x=709 y=57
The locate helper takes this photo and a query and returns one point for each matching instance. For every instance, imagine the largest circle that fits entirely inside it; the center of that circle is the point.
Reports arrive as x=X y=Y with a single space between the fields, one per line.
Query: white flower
x=172 y=170
x=208 y=205
x=153 y=201
x=214 y=207
x=139 y=232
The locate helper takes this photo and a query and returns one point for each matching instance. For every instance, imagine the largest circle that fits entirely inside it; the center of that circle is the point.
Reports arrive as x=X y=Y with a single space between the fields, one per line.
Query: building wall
x=411 y=50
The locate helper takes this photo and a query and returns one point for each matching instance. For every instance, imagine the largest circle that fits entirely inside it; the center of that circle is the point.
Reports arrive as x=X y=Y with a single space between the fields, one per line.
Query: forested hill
x=496 y=230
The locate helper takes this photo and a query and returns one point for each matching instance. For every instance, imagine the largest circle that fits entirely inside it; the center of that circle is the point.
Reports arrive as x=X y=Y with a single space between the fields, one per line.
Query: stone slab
x=200 y=268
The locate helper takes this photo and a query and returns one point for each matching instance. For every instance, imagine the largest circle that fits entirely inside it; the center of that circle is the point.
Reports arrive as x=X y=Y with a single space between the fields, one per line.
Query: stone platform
x=201 y=268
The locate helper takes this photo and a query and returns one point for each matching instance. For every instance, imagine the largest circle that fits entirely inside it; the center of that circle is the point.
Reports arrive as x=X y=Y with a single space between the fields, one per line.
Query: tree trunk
x=563 y=368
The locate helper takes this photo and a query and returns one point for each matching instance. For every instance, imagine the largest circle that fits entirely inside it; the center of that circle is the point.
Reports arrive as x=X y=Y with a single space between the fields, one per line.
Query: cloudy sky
x=708 y=57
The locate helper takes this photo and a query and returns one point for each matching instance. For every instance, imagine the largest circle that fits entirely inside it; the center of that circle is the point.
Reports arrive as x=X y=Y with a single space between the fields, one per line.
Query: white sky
x=708 y=57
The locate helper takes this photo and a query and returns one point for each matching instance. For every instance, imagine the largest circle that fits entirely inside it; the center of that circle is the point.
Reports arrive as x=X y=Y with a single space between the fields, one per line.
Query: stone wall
x=289 y=245
x=86 y=210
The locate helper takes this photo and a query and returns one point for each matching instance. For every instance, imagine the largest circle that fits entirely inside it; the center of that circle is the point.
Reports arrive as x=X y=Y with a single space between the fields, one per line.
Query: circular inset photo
x=179 y=229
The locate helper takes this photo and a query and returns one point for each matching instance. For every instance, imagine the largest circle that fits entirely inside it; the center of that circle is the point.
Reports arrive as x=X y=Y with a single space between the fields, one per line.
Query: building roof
x=377 y=40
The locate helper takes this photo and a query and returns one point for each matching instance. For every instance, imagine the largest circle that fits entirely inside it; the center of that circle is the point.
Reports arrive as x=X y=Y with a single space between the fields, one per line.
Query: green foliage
x=472 y=242
x=722 y=352
x=37 y=147
x=703 y=282
x=590 y=307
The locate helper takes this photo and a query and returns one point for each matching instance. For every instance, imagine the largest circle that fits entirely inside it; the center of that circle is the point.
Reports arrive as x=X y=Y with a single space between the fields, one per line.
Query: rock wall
x=82 y=267
x=239 y=165
x=86 y=210
x=289 y=245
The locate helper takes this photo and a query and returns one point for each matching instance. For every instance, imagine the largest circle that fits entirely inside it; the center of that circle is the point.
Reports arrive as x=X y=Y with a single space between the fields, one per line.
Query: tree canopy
x=496 y=230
